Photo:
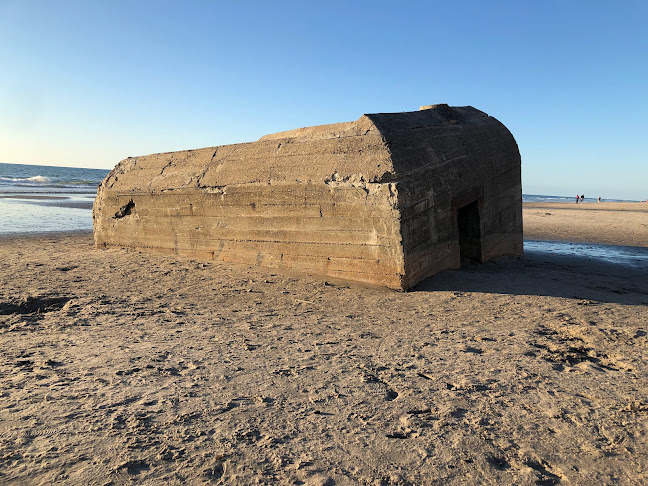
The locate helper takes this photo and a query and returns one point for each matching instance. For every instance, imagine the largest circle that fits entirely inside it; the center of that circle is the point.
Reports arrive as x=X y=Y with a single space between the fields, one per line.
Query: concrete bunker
x=389 y=199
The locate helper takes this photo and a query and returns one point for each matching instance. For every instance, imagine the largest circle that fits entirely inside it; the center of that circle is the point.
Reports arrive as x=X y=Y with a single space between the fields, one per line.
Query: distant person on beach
x=599 y=200
x=582 y=198
x=577 y=198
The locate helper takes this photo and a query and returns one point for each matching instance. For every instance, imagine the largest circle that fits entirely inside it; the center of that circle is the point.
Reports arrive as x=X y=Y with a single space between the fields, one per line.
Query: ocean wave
x=545 y=198
x=37 y=178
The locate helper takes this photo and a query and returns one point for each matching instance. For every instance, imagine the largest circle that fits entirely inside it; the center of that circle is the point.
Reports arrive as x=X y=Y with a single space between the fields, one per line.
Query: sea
x=44 y=199
x=566 y=199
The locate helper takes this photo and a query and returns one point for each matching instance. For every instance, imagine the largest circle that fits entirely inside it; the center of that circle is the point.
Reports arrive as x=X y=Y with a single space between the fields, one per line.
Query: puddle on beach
x=627 y=256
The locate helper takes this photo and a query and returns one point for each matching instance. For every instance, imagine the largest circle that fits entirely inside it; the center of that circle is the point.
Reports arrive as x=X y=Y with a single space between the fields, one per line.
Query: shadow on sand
x=602 y=273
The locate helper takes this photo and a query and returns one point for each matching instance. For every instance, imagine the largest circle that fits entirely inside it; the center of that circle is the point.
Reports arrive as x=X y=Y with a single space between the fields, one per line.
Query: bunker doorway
x=469 y=233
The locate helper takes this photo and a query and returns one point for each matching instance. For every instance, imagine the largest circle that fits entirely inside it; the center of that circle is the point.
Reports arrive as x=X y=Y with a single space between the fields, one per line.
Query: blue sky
x=88 y=83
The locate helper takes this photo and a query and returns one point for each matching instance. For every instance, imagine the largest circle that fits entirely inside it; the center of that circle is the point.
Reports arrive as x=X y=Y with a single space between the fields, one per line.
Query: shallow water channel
x=628 y=256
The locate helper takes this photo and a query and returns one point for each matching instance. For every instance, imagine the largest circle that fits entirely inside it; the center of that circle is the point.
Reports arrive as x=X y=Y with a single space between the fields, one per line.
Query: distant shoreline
x=591 y=206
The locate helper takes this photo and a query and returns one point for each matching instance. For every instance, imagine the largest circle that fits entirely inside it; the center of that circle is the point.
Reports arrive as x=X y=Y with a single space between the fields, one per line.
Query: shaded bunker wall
x=476 y=161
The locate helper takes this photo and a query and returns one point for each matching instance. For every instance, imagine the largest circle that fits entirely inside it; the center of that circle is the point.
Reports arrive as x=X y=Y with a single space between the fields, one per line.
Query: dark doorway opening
x=469 y=233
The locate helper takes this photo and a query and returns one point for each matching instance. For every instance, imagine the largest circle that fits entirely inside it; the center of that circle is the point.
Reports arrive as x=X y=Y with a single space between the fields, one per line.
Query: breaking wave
x=37 y=178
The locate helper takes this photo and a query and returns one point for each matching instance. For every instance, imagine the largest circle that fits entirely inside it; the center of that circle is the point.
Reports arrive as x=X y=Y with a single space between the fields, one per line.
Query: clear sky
x=88 y=83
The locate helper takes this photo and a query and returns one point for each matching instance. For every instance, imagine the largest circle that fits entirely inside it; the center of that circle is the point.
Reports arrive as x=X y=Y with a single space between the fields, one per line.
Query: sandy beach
x=605 y=223
x=122 y=367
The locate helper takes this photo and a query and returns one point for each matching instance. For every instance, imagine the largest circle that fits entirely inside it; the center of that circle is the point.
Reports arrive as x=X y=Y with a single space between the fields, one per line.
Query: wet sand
x=37 y=197
x=74 y=202
x=122 y=366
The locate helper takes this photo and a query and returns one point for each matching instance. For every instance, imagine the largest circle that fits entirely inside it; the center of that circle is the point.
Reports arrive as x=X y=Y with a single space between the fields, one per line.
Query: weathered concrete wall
x=369 y=200
x=344 y=232
x=458 y=157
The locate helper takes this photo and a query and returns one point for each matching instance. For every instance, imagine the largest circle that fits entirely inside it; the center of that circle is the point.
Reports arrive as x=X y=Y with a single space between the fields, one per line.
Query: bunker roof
x=377 y=147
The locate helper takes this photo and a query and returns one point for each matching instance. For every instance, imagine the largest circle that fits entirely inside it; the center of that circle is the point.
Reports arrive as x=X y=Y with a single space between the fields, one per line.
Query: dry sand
x=604 y=223
x=122 y=366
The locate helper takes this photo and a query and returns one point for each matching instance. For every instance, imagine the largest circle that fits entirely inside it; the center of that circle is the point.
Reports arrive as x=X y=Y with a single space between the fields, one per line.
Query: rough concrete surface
x=389 y=199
